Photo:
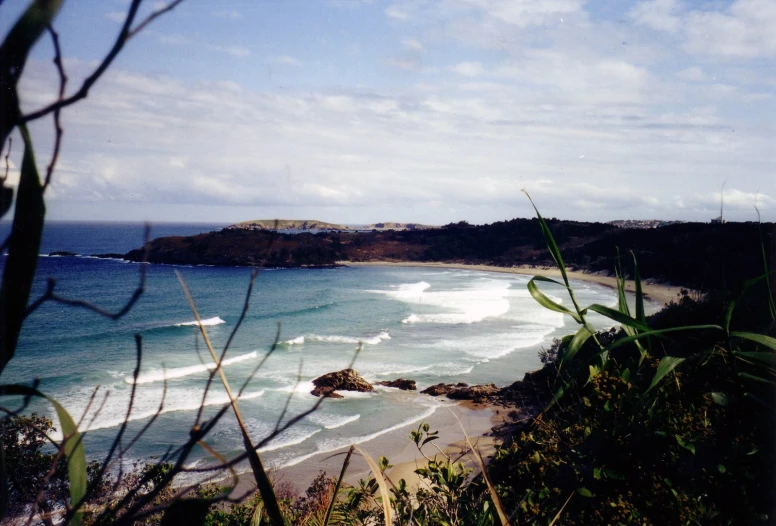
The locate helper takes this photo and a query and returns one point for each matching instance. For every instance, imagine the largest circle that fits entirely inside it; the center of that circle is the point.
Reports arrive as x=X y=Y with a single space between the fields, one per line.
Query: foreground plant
x=663 y=421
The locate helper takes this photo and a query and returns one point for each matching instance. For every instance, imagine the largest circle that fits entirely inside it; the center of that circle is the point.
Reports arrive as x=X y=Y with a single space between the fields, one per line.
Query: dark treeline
x=696 y=255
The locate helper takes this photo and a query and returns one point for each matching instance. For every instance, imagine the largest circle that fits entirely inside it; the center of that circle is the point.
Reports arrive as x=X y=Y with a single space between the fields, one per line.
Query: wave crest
x=179 y=372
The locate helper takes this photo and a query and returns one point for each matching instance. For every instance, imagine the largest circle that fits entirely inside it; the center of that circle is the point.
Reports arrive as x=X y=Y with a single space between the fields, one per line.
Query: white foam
x=115 y=411
x=404 y=371
x=301 y=387
x=299 y=340
x=329 y=421
x=348 y=339
x=485 y=298
x=281 y=441
x=179 y=372
x=333 y=444
x=204 y=323
x=492 y=346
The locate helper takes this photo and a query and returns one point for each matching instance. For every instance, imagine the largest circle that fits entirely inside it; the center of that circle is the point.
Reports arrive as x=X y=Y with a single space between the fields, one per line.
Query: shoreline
x=478 y=420
x=396 y=445
x=663 y=293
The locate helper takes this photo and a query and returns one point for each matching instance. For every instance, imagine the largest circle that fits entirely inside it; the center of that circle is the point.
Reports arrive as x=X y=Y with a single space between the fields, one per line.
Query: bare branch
x=211 y=376
x=88 y=406
x=7 y=162
x=50 y=295
x=153 y=16
x=57 y=124
x=124 y=35
x=272 y=350
x=290 y=396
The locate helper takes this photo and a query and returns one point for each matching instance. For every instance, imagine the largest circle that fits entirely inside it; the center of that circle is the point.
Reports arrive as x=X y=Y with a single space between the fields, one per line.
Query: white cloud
x=661 y=15
x=370 y=152
x=116 y=16
x=397 y=13
x=228 y=13
x=523 y=13
x=693 y=74
x=468 y=69
x=288 y=60
x=235 y=51
x=402 y=63
x=413 y=44
x=745 y=30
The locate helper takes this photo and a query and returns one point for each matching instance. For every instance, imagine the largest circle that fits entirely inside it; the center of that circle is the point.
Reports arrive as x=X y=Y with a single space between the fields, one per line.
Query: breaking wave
x=180 y=372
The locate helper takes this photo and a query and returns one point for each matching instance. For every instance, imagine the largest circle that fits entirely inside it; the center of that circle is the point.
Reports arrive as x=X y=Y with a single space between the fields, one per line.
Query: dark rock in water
x=475 y=392
x=400 y=383
x=438 y=389
x=344 y=380
x=326 y=392
x=109 y=255
x=63 y=253
x=462 y=391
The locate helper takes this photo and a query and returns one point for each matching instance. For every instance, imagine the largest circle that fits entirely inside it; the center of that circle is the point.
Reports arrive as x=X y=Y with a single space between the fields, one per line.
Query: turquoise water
x=431 y=325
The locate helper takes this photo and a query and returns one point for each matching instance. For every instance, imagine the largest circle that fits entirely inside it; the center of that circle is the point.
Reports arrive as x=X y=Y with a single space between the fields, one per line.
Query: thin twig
x=123 y=427
x=88 y=406
x=153 y=16
x=290 y=396
x=50 y=295
x=7 y=162
x=124 y=35
x=150 y=422
x=243 y=313
x=57 y=124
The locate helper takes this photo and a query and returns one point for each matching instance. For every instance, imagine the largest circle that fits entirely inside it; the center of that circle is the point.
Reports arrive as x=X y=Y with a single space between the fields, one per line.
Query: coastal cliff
x=696 y=255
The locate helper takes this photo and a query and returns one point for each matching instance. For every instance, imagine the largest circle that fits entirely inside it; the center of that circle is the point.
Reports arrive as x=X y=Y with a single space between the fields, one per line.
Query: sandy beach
x=659 y=292
x=478 y=420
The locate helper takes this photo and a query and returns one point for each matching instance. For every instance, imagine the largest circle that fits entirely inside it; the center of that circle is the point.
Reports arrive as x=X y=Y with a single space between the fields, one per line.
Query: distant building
x=718 y=221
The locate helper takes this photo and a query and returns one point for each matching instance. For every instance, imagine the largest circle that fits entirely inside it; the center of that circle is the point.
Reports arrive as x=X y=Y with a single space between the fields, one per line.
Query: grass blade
x=23 y=250
x=552 y=246
x=337 y=486
x=763 y=357
x=660 y=332
x=491 y=488
x=766 y=266
x=380 y=478
x=757 y=338
x=579 y=339
x=546 y=302
x=666 y=365
x=72 y=444
x=262 y=479
x=617 y=316
x=622 y=302
x=640 y=316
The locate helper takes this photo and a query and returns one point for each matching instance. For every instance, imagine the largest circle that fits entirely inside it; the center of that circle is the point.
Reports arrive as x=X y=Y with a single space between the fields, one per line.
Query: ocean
x=427 y=324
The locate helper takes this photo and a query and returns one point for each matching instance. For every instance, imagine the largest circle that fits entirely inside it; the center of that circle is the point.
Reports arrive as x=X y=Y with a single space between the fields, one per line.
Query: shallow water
x=430 y=325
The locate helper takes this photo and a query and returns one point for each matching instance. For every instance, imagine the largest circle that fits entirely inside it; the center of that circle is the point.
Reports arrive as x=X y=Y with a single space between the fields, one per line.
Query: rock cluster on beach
x=344 y=380
x=399 y=383
x=462 y=391
x=528 y=395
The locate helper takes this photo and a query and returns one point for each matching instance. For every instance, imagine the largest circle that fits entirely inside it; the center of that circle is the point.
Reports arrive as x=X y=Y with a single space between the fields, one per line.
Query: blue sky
x=359 y=111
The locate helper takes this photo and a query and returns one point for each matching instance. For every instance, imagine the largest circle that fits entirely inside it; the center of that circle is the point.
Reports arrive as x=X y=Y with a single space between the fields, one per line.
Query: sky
x=358 y=111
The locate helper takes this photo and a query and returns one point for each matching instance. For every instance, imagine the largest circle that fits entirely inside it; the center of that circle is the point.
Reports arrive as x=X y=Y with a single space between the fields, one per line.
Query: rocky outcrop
x=344 y=380
x=63 y=253
x=462 y=391
x=399 y=383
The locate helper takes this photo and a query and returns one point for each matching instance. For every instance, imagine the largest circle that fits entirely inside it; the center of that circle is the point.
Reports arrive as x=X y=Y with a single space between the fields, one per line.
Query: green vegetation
x=667 y=420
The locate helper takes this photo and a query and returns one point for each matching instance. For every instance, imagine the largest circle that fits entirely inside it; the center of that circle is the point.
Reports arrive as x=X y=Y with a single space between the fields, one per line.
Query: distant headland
x=315 y=225
x=694 y=255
